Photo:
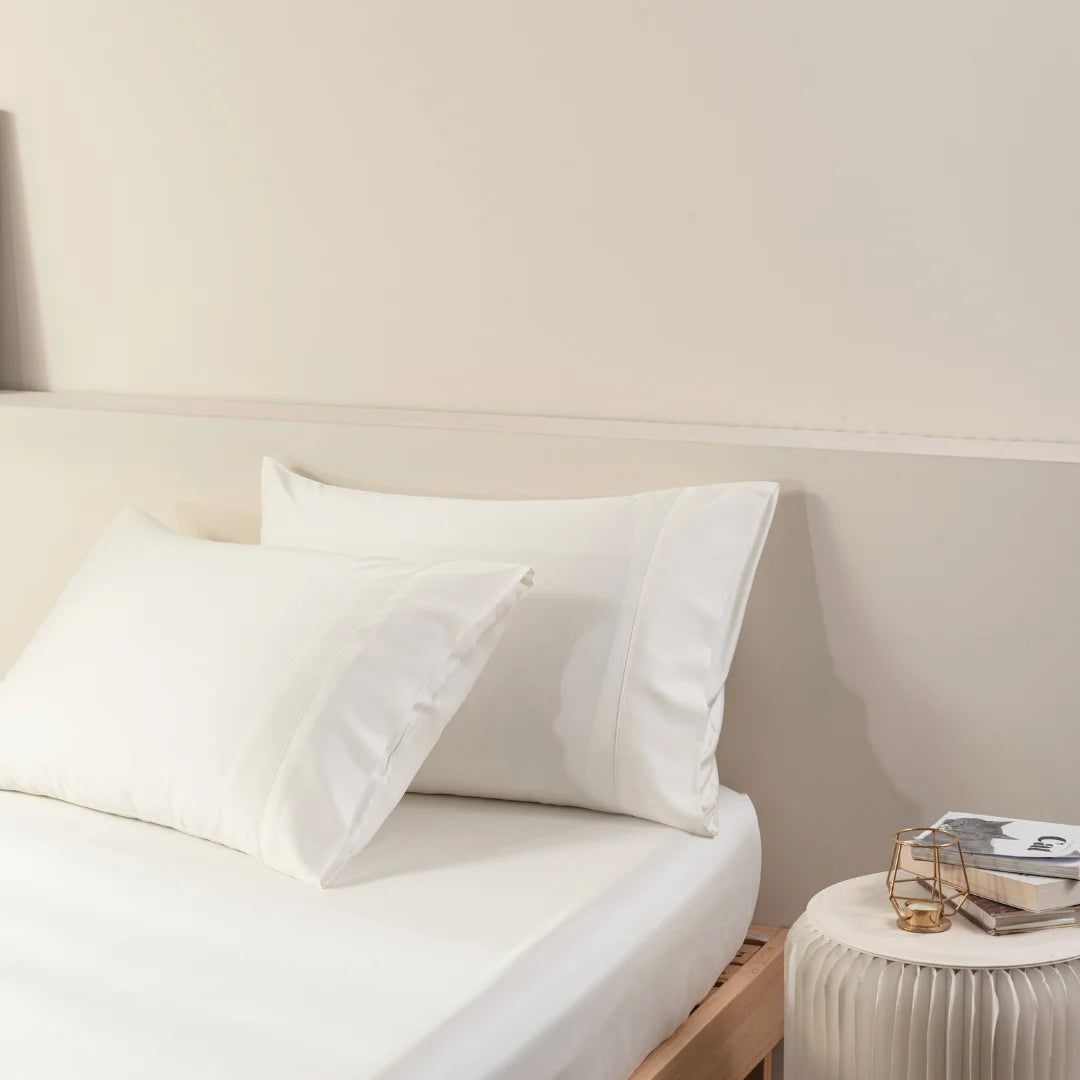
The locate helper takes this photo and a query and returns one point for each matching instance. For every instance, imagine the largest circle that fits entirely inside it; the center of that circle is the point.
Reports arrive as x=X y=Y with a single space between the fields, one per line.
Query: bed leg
x=763 y=1070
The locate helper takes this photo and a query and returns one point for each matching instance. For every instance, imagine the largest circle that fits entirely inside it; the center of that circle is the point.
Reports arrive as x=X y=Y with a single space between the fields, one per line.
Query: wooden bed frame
x=733 y=1031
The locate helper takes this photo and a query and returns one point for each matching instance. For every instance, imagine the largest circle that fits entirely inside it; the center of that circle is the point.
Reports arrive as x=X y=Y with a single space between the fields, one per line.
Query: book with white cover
x=1030 y=892
x=1011 y=845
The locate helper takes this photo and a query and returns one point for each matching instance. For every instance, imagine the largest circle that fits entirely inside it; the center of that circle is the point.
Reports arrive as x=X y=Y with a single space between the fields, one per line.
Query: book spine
x=966 y=911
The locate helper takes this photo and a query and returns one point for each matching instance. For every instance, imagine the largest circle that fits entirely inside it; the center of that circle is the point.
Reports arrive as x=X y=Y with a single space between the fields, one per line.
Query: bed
x=212 y=867
x=471 y=938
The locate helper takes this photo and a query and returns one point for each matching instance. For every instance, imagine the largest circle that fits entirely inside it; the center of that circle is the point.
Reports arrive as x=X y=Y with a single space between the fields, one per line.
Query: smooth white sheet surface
x=477 y=939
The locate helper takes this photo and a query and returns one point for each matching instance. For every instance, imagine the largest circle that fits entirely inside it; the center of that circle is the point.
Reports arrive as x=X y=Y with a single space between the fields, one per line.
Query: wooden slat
x=735 y=1027
x=746 y=950
x=760 y=935
x=726 y=974
x=756 y=937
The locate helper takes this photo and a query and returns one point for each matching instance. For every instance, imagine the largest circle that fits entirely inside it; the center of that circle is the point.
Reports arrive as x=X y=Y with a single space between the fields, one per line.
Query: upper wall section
x=835 y=215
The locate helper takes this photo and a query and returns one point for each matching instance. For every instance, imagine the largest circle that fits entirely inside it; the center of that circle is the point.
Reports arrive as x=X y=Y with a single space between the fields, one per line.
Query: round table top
x=858 y=914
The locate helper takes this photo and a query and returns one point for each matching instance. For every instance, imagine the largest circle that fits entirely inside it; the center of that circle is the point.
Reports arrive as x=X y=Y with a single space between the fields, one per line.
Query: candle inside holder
x=924 y=915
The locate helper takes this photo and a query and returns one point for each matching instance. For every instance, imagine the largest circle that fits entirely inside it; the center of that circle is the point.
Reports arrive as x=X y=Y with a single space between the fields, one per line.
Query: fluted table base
x=851 y=1015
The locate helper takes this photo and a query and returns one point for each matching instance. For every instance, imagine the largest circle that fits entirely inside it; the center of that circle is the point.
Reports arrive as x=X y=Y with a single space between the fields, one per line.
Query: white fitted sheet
x=477 y=939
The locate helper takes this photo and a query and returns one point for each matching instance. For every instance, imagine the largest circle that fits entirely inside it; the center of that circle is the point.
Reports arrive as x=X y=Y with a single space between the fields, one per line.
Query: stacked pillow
x=281 y=698
x=276 y=701
x=608 y=691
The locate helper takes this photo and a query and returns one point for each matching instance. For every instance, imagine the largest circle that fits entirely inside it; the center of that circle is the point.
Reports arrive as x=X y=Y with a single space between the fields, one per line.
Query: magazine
x=1011 y=844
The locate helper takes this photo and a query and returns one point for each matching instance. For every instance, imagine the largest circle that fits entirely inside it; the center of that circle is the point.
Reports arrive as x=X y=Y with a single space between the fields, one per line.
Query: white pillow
x=608 y=690
x=276 y=701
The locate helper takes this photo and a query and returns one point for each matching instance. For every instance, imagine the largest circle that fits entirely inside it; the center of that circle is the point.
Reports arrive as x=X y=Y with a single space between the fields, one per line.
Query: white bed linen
x=477 y=939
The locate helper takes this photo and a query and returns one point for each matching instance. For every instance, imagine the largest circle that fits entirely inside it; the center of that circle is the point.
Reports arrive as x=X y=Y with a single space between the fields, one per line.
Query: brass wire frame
x=930 y=921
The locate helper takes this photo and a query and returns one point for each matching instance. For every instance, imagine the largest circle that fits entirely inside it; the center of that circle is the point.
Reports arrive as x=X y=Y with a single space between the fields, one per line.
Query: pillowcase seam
x=487 y=620
x=316 y=688
x=631 y=642
x=710 y=733
x=739 y=599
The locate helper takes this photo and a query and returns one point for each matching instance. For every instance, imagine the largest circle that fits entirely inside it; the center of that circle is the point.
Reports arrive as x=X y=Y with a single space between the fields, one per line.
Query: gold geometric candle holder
x=923 y=901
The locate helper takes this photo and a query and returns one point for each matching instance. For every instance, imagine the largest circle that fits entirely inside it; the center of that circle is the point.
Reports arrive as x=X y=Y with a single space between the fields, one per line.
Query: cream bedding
x=476 y=939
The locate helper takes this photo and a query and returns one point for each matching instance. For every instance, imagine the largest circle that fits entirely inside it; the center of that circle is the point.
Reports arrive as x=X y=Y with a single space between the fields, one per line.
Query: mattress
x=473 y=939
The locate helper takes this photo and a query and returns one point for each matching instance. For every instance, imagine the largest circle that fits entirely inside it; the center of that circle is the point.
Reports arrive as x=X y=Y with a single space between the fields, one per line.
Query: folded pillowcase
x=608 y=690
x=278 y=702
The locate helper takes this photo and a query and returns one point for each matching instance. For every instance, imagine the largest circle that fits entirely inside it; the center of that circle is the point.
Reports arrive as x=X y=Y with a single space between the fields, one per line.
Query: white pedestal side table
x=866 y=1000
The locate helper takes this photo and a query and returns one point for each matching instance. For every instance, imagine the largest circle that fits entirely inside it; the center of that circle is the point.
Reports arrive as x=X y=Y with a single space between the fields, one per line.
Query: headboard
x=910 y=642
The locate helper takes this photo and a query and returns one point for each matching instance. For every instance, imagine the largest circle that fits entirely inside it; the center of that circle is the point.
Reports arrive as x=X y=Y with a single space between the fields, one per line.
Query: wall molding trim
x=655 y=430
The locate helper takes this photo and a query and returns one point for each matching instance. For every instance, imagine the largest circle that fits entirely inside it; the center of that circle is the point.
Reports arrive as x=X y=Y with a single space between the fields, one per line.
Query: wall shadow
x=217 y=522
x=22 y=360
x=795 y=737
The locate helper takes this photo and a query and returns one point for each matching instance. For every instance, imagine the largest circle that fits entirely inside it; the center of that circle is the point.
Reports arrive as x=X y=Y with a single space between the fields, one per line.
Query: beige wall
x=910 y=645
x=839 y=214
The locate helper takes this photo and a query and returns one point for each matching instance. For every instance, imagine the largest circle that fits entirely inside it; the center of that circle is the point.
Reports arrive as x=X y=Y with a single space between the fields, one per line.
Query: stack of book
x=1023 y=875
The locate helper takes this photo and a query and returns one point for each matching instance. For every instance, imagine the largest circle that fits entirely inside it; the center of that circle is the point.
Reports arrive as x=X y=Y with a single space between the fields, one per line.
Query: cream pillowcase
x=276 y=701
x=608 y=690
